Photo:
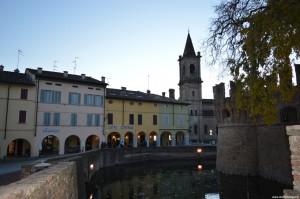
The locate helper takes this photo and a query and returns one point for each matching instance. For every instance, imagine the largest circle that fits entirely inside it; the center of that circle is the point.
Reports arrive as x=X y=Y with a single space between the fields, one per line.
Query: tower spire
x=189 y=50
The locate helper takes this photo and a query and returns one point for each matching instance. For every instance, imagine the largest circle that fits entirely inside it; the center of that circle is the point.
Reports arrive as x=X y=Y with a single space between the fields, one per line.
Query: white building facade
x=70 y=112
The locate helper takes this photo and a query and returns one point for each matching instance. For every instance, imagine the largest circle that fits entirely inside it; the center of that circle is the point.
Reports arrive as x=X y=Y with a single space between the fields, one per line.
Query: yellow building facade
x=137 y=119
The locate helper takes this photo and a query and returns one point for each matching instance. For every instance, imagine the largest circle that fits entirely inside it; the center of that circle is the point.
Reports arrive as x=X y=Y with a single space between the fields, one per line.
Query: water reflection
x=182 y=180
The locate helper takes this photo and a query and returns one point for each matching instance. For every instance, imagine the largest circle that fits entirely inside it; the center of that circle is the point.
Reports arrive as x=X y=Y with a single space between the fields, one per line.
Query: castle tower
x=190 y=87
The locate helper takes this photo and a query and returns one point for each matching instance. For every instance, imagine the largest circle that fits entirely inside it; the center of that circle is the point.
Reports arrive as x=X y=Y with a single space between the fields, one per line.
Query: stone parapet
x=294 y=139
x=58 y=181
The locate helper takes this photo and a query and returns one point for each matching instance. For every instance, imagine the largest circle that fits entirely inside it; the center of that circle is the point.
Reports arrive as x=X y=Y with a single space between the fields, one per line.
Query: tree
x=258 y=39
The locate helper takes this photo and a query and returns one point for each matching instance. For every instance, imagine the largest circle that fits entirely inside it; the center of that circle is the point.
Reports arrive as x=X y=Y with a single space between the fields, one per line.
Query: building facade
x=137 y=119
x=46 y=113
x=17 y=115
x=202 y=122
x=70 y=112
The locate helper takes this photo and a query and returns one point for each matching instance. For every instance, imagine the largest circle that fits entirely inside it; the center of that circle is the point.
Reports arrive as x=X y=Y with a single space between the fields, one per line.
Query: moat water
x=181 y=180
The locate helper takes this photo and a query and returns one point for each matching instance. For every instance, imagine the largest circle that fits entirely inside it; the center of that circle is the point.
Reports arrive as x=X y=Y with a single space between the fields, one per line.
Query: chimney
x=198 y=54
x=1 y=68
x=103 y=79
x=39 y=70
x=163 y=94
x=148 y=91
x=65 y=73
x=172 y=93
x=82 y=76
x=297 y=71
x=123 y=88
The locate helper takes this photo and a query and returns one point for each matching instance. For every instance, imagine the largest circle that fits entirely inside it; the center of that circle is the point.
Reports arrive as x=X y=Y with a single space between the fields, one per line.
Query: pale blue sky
x=121 y=40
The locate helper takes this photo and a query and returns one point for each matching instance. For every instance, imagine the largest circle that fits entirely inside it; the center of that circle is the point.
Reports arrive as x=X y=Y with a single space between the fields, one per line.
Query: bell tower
x=190 y=87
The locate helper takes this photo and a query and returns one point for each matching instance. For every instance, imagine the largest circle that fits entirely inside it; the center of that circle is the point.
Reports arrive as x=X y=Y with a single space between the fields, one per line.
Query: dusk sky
x=121 y=40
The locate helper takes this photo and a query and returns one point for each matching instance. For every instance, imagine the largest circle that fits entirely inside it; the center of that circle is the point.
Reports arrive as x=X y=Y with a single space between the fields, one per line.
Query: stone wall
x=254 y=150
x=294 y=139
x=58 y=181
x=273 y=153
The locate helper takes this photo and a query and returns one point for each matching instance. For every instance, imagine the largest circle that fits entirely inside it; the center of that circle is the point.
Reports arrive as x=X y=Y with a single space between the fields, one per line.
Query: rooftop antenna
x=148 y=80
x=75 y=64
x=54 y=65
x=20 y=52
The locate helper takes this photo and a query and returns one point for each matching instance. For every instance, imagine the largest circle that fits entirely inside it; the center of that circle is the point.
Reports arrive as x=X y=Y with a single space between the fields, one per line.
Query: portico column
x=147 y=140
x=82 y=145
x=134 y=140
x=158 y=140
x=61 y=146
x=186 y=139
x=173 y=139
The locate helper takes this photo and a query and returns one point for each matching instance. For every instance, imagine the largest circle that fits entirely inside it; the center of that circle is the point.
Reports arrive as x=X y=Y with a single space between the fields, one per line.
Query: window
x=131 y=119
x=195 y=129
x=98 y=100
x=22 y=117
x=166 y=120
x=205 y=129
x=49 y=96
x=192 y=68
x=109 y=118
x=74 y=98
x=93 y=100
x=89 y=120
x=196 y=112
x=73 y=119
x=110 y=101
x=88 y=100
x=180 y=120
x=191 y=112
x=193 y=93
x=140 y=119
x=47 y=119
x=183 y=70
x=154 y=119
x=97 y=119
x=56 y=119
x=24 y=93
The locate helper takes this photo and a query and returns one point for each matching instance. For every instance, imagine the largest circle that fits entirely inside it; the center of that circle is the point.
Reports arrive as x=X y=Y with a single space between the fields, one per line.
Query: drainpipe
x=6 y=114
x=123 y=112
x=173 y=117
x=104 y=114
x=36 y=107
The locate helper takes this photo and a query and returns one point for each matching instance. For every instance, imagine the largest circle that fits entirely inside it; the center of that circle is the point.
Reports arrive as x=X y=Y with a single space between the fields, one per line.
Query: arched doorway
x=153 y=139
x=92 y=142
x=113 y=140
x=72 y=144
x=128 y=139
x=166 y=139
x=18 y=148
x=141 y=139
x=179 y=138
x=50 y=145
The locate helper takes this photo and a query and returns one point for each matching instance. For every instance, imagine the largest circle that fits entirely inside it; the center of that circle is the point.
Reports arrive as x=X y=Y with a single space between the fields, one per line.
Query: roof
x=189 y=50
x=139 y=96
x=50 y=75
x=15 y=78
